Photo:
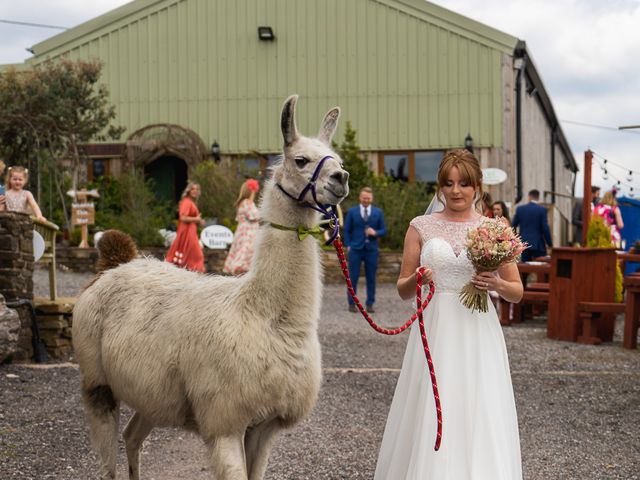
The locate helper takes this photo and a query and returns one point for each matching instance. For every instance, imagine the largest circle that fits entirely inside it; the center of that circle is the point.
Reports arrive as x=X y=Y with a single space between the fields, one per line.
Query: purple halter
x=318 y=207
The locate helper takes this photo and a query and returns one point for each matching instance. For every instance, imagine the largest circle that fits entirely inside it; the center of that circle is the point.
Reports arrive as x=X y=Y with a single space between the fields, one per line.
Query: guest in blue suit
x=531 y=221
x=362 y=228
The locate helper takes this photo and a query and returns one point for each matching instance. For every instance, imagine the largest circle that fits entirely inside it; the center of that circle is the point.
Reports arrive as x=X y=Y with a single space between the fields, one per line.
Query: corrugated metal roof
x=407 y=73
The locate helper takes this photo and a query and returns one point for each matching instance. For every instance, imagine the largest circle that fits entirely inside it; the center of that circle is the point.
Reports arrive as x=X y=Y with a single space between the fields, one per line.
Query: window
x=98 y=167
x=412 y=166
x=250 y=166
x=426 y=166
x=396 y=166
x=255 y=165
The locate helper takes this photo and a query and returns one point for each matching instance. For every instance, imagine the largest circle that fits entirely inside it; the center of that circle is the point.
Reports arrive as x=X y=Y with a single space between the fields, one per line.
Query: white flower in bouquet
x=489 y=246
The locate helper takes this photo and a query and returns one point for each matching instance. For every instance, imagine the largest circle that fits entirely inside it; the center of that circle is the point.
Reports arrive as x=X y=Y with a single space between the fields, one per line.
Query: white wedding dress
x=480 y=438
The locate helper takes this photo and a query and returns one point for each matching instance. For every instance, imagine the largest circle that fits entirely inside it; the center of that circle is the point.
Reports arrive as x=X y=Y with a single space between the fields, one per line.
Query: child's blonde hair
x=16 y=169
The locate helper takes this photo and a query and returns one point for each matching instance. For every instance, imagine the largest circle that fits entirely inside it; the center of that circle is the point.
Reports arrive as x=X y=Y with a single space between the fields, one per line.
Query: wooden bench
x=538 y=287
x=529 y=297
x=590 y=313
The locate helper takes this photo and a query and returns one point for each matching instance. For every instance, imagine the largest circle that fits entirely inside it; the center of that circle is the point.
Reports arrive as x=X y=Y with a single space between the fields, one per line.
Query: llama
x=236 y=359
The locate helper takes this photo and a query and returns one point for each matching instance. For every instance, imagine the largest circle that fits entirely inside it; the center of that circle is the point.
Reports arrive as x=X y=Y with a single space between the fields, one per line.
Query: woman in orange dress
x=240 y=254
x=185 y=251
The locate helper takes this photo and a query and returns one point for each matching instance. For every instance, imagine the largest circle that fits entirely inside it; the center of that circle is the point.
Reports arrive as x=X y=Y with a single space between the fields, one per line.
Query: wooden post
x=586 y=201
x=83 y=214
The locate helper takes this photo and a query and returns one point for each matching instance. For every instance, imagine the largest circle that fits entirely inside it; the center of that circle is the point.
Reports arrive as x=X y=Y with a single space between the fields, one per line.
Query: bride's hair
x=468 y=166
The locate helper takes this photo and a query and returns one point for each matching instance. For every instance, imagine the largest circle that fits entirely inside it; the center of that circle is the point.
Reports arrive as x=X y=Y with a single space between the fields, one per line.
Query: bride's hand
x=485 y=281
x=427 y=276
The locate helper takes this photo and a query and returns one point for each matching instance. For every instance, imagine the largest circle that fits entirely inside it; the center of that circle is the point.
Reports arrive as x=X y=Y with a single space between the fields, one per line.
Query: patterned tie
x=365 y=217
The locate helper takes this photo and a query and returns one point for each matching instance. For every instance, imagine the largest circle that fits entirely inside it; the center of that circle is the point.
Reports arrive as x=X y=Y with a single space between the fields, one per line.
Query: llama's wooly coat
x=234 y=358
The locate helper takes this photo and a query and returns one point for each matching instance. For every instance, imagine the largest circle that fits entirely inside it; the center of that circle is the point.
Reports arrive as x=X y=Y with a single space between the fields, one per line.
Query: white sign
x=38 y=246
x=493 y=176
x=216 y=236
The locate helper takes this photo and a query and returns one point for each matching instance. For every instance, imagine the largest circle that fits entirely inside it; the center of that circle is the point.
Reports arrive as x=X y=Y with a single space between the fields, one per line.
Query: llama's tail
x=115 y=248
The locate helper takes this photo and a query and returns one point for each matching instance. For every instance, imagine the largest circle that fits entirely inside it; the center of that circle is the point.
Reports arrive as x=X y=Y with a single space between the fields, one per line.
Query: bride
x=480 y=438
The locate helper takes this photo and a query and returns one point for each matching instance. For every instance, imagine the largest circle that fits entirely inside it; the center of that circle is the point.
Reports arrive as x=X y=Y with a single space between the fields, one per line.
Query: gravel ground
x=578 y=407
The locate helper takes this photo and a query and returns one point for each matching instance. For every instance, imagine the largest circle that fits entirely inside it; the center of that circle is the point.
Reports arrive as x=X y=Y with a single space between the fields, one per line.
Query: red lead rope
x=420 y=306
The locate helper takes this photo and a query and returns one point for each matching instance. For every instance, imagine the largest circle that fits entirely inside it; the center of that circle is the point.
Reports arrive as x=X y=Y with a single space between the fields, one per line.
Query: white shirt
x=362 y=210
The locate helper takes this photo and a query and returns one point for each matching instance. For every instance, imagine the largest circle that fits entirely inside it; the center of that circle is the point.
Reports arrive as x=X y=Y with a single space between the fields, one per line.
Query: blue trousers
x=370 y=258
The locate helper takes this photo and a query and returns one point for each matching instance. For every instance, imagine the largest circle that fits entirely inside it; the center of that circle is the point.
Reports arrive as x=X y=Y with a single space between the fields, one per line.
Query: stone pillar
x=9 y=330
x=16 y=272
x=16 y=255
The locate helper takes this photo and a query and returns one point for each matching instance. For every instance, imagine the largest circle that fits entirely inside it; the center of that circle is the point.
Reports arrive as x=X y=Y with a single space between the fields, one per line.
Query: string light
x=604 y=163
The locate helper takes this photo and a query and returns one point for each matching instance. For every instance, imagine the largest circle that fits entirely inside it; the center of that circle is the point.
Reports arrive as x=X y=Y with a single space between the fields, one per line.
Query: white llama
x=235 y=359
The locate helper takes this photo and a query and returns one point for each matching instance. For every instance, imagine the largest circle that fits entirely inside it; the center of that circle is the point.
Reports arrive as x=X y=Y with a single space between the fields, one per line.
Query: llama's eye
x=301 y=161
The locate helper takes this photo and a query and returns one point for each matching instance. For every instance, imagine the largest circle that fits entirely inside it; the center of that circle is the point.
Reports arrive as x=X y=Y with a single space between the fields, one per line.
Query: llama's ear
x=288 y=121
x=329 y=125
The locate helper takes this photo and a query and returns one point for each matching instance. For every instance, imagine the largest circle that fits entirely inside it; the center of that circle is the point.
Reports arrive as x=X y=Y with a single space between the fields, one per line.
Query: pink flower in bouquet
x=489 y=246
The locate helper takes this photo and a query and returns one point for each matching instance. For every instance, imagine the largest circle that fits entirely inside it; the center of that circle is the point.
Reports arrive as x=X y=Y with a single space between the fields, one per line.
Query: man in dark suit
x=531 y=221
x=363 y=226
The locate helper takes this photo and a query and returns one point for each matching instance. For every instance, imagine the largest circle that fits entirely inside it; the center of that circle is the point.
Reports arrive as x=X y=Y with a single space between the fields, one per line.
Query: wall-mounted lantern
x=215 y=151
x=266 y=34
x=468 y=142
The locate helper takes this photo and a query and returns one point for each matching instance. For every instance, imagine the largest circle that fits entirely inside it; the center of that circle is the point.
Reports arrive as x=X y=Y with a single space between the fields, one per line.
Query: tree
x=400 y=201
x=360 y=174
x=49 y=111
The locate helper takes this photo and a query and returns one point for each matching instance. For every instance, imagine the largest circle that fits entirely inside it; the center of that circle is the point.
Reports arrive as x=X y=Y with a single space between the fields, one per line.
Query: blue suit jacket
x=354 y=227
x=531 y=219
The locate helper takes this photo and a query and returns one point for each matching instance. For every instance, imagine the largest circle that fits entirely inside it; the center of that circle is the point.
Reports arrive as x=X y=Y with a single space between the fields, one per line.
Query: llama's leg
x=103 y=414
x=258 y=442
x=134 y=434
x=227 y=457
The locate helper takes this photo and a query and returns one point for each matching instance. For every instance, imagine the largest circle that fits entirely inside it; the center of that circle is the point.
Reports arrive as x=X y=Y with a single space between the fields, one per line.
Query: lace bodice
x=443 y=250
x=17 y=201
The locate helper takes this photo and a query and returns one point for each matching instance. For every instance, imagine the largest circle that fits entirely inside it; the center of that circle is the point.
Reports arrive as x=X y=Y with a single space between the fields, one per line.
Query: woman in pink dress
x=610 y=213
x=185 y=251
x=240 y=254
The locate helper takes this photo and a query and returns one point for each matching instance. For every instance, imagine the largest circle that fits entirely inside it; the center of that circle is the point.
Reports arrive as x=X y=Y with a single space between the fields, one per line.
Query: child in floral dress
x=240 y=254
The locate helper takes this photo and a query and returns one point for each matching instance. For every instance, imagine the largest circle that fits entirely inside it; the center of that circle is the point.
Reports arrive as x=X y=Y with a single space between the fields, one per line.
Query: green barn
x=191 y=78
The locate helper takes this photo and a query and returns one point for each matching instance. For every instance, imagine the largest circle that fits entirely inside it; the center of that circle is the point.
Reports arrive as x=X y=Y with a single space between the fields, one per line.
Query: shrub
x=400 y=202
x=220 y=184
x=128 y=204
x=599 y=236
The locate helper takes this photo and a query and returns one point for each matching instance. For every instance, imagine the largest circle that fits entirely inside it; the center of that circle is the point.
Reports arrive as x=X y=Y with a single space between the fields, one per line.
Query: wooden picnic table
x=632 y=311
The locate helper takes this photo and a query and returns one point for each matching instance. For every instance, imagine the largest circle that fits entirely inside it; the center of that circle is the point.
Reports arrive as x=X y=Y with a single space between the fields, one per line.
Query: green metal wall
x=404 y=78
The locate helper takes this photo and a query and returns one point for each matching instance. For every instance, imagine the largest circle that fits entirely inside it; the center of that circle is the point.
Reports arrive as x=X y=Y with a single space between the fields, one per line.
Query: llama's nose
x=342 y=177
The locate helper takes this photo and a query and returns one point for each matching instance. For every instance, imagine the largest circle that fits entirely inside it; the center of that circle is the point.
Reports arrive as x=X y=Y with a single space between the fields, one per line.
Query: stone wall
x=83 y=260
x=16 y=272
x=16 y=255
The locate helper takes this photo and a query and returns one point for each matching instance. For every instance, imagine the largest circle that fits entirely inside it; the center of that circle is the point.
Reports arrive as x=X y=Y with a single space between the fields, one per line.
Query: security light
x=266 y=34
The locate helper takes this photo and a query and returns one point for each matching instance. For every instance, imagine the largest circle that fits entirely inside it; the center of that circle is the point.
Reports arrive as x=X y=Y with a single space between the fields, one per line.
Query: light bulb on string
x=630 y=176
x=605 y=176
x=631 y=194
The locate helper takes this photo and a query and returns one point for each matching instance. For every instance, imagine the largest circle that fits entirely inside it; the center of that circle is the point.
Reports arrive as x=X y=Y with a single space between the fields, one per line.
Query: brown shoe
x=352 y=308
x=370 y=309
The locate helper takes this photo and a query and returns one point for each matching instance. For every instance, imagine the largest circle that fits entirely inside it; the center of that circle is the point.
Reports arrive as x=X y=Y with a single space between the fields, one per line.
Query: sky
x=586 y=51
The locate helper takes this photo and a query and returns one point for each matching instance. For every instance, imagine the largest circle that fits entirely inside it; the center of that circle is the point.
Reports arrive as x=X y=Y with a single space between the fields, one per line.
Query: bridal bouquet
x=489 y=246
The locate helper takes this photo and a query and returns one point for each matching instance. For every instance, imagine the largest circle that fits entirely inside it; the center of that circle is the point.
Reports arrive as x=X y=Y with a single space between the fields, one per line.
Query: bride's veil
x=435 y=206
